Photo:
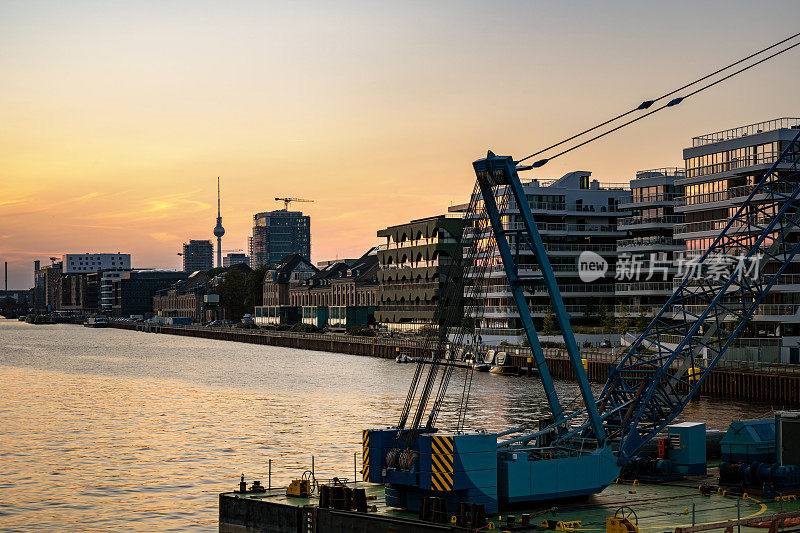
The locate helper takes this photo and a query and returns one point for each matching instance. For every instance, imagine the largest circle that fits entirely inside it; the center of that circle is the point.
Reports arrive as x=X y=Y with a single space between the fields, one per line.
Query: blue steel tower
x=219 y=231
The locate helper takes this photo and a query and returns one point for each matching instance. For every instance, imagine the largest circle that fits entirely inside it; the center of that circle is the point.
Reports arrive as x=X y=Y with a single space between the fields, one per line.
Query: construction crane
x=581 y=452
x=286 y=201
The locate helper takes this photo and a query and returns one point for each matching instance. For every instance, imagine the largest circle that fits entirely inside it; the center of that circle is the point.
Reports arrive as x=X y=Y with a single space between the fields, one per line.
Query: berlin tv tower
x=219 y=231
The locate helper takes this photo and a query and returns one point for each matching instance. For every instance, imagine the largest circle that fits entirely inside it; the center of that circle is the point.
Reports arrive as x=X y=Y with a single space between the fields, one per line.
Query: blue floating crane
x=582 y=452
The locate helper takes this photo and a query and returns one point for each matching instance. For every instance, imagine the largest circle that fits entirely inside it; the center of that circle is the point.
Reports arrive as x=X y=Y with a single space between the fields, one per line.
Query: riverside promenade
x=774 y=383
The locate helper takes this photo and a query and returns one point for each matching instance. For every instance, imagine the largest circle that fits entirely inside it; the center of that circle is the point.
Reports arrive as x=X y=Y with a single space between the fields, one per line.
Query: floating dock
x=656 y=507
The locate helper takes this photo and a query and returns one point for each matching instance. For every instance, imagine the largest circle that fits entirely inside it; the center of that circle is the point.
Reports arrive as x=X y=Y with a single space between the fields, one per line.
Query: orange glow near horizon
x=118 y=118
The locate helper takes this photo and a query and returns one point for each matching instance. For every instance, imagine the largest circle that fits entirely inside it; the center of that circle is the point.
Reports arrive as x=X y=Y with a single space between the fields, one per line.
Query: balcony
x=560 y=227
x=657 y=242
x=778 y=312
x=645 y=287
x=766 y=158
x=784 y=280
x=649 y=222
x=636 y=200
x=558 y=247
x=744 y=131
x=729 y=194
x=754 y=226
x=636 y=310
x=667 y=172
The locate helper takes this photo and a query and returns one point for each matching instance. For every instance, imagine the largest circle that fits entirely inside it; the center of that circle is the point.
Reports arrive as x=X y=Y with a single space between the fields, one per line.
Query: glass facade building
x=277 y=234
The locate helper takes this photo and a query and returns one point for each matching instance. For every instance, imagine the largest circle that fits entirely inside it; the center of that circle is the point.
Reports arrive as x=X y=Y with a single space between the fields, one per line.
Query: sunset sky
x=117 y=117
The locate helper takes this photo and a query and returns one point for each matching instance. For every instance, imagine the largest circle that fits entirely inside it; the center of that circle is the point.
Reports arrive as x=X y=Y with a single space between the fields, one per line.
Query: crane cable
x=648 y=103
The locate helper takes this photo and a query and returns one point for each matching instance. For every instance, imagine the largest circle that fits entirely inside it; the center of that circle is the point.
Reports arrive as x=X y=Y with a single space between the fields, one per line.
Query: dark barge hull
x=246 y=514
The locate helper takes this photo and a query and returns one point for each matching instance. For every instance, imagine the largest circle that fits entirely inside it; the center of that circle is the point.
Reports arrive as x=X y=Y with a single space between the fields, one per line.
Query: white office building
x=111 y=267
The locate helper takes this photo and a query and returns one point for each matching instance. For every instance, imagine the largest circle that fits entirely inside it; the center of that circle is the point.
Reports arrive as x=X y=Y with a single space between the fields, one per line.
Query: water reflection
x=109 y=430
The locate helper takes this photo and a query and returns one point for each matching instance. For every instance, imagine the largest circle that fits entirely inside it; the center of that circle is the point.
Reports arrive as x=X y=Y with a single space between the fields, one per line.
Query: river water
x=111 y=430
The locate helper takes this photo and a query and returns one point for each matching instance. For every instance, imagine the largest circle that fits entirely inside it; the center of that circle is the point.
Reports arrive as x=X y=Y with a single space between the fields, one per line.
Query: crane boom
x=288 y=200
x=668 y=362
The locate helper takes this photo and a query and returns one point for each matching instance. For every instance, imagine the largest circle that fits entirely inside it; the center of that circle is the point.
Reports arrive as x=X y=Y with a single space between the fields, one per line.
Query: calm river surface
x=112 y=430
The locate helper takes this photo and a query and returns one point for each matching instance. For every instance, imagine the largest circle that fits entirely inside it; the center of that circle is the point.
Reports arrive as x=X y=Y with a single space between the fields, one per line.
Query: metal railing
x=784 y=310
x=636 y=310
x=765 y=158
x=719 y=224
x=559 y=247
x=646 y=198
x=562 y=227
x=670 y=172
x=783 y=279
x=636 y=221
x=645 y=286
x=743 y=131
x=741 y=191
x=648 y=241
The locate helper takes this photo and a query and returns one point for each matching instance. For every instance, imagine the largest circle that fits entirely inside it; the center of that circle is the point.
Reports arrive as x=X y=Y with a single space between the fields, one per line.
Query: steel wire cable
x=672 y=103
x=458 y=340
x=465 y=264
x=436 y=355
x=647 y=103
x=489 y=247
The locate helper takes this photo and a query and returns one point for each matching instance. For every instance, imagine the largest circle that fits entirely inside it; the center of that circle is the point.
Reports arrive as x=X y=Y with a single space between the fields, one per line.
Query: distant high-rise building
x=219 y=231
x=198 y=255
x=234 y=259
x=277 y=234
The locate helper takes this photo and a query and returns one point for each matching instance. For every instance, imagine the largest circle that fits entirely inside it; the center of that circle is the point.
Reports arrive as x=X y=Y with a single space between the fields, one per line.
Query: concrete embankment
x=778 y=385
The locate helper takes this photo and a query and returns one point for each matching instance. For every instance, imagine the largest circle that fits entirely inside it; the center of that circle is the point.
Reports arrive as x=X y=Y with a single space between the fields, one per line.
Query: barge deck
x=658 y=508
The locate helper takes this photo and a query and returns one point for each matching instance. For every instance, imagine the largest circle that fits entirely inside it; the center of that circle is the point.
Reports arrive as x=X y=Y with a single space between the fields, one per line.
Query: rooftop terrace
x=744 y=131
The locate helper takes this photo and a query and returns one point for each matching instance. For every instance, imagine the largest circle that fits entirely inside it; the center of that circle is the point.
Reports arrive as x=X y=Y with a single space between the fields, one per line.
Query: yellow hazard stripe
x=442 y=463
x=442 y=482
x=365 y=459
x=443 y=445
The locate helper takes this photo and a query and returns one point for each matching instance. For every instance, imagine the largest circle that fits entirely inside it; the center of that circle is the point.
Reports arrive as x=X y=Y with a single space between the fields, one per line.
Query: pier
x=778 y=384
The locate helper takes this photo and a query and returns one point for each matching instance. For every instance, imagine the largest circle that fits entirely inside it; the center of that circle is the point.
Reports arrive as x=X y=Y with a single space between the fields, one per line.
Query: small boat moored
x=487 y=363
x=502 y=366
x=98 y=321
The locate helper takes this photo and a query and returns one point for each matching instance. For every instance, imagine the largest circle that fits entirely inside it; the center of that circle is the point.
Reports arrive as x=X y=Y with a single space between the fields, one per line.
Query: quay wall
x=776 y=384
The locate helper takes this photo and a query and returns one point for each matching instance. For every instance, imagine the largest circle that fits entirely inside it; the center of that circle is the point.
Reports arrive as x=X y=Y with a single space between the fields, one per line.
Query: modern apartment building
x=414 y=264
x=647 y=256
x=721 y=170
x=134 y=291
x=110 y=266
x=277 y=234
x=574 y=214
x=235 y=258
x=198 y=255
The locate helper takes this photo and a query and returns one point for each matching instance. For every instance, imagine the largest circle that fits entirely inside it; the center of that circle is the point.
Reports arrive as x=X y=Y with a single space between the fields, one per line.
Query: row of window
x=732 y=159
